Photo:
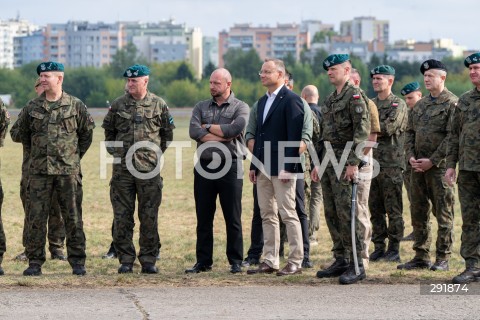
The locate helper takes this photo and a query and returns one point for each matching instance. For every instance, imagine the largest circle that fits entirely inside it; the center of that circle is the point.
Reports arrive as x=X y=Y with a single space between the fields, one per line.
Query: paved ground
x=322 y=302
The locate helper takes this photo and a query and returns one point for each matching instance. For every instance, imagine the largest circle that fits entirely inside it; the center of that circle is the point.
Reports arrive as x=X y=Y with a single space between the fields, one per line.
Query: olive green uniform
x=4 y=122
x=131 y=121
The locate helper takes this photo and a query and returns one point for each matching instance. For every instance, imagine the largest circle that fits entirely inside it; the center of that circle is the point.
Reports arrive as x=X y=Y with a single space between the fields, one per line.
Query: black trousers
x=229 y=189
x=256 y=234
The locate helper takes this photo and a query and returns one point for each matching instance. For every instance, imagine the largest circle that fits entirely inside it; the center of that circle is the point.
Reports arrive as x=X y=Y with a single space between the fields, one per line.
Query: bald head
x=223 y=73
x=355 y=78
x=310 y=94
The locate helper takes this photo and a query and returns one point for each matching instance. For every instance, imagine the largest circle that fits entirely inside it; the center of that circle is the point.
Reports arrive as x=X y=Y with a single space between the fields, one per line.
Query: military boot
x=1 y=271
x=149 y=268
x=470 y=274
x=334 y=270
x=350 y=277
x=440 y=265
x=79 y=270
x=126 y=268
x=391 y=256
x=33 y=269
x=415 y=263
x=377 y=254
x=21 y=257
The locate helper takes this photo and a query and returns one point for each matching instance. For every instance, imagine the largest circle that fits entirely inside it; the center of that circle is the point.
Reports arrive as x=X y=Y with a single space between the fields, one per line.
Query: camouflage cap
x=37 y=82
x=382 y=69
x=472 y=59
x=410 y=87
x=335 y=59
x=50 y=66
x=137 y=70
x=432 y=64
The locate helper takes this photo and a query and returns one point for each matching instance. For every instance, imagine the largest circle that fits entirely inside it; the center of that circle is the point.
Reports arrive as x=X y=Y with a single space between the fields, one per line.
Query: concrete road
x=288 y=302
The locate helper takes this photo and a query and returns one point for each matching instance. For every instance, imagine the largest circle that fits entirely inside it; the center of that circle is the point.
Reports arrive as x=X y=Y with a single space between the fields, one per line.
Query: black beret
x=432 y=64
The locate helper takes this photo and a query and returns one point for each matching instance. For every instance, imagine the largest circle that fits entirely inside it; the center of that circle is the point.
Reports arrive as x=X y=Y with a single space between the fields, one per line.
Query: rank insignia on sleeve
x=356 y=96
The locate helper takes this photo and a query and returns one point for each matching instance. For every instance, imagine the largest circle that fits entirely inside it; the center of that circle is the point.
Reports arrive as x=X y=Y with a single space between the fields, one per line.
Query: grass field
x=177 y=224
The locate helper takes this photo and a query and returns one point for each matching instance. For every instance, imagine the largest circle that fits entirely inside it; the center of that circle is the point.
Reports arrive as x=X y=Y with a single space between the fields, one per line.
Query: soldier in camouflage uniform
x=313 y=190
x=411 y=93
x=346 y=119
x=137 y=117
x=464 y=148
x=4 y=122
x=56 y=227
x=426 y=149
x=58 y=129
x=386 y=190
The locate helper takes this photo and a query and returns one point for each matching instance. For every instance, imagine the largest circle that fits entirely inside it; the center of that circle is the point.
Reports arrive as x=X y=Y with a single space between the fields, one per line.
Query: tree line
x=174 y=81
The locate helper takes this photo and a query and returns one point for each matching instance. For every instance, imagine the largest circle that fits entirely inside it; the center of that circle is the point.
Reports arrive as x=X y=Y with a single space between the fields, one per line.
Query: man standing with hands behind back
x=279 y=125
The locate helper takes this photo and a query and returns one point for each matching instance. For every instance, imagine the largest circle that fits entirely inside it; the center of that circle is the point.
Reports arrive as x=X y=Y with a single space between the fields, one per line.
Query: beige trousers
x=362 y=211
x=274 y=198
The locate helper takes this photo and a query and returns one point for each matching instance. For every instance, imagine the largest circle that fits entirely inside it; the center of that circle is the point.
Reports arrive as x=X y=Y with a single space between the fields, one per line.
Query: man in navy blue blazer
x=275 y=168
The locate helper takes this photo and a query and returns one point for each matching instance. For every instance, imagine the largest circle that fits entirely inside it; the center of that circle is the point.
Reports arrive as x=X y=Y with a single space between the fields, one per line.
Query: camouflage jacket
x=131 y=121
x=346 y=117
x=15 y=134
x=4 y=122
x=393 y=118
x=427 y=128
x=464 y=137
x=58 y=135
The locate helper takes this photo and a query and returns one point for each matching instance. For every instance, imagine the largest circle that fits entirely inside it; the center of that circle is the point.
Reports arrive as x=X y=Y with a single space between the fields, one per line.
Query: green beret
x=335 y=59
x=137 y=70
x=432 y=64
x=472 y=59
x=382 y=69
x=410 y=87
x=50 y=66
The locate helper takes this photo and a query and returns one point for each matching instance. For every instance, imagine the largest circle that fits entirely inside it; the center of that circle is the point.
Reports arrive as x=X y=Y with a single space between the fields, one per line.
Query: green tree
x=323 y=36
x=243 y=64
x=207 y=71
x=124 y=58
x=182 y=93
x=184 y=71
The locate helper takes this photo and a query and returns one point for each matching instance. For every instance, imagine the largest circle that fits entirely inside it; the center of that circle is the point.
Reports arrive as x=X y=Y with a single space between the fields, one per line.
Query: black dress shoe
x=415 y=263
x=350 y=277
x=149 y=268
x=79 y=270
x=391 y=256
x=250 y=262
x=337 y=268
x=235 y=268
x=1 y=272
x=126 y=268
x=59 y=256
x=197 y=268
x=262 y=268
x=377 y=254
x=470 y=274
x=33 y=269
x=306 y=263
x=440 y=265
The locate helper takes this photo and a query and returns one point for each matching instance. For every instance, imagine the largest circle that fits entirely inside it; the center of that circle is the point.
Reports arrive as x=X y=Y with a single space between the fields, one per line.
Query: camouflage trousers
x=3 y=240
x=430 y=185
x=56 y=227
x=68 y=189
x=337 y=204
x=468 y=191
x=314 y=203
x=124 y=190
x=386 y=200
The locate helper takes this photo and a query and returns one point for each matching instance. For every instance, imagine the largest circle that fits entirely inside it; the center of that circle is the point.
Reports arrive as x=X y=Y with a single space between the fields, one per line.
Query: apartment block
x=9 y=29
x=366 y=29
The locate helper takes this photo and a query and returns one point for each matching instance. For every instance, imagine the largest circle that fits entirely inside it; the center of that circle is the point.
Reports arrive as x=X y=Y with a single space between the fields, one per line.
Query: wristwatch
x=207 y=127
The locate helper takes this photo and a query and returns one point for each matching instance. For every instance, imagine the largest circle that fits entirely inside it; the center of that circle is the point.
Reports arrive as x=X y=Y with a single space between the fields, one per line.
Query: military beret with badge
x=50 y=66
x=382 y=69
x=335 y=59
x=472 y=59
x=410 y=87
x=432 y=64
x=137 y=70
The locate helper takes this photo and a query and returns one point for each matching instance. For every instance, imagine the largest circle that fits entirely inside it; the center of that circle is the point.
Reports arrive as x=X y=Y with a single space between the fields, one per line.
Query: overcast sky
x=417 y=19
